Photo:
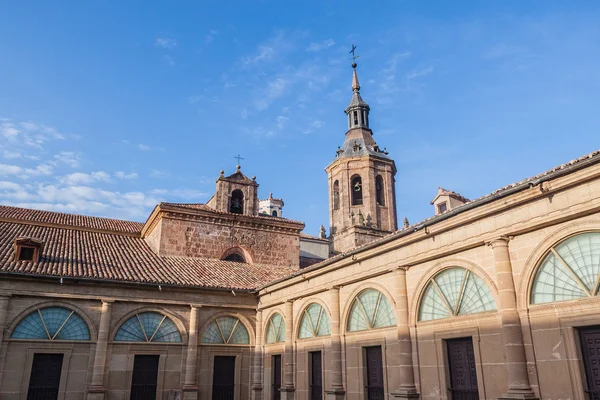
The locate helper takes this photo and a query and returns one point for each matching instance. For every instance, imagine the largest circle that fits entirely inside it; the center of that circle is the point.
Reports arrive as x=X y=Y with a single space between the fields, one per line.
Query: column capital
x=107 y=302
x=334 y=287
x=500 y=241
x=192 y=306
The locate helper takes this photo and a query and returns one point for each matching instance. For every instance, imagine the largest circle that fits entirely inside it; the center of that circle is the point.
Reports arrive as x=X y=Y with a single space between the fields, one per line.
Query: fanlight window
x=148 y=327
x=315 y=322
x=52 y=323
x=226 y=330
x=370 y=310
x=570 y=270
x=455 y=291
x=276 y=329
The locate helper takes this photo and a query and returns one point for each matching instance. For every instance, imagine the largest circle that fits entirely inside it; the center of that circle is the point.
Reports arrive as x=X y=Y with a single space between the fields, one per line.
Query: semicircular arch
x=345 y=315
x=535 y=259
x=65 y=304
x=175 y=318
x=439 y=267
x=245 y=321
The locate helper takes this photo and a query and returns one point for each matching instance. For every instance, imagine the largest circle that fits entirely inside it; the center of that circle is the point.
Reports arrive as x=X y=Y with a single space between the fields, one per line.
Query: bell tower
x=362 y=196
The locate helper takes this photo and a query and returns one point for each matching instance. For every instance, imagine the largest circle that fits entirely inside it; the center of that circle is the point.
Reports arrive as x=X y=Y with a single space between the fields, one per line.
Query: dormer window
x=442 y=207
x=28 y=249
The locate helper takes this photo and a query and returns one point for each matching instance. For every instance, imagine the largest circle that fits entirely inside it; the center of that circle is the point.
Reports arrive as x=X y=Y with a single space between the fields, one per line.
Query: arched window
x=455 y=291
x=52 y=323
x=370 y=310
x=148 y=327
x=570 y=270
x=356 y=188
x=235 y=257
x=379 y=194
x=226 y=330
x=314 y=322
x=274 y=213
x=237 y=202
x=336 y=195
x=276 y=329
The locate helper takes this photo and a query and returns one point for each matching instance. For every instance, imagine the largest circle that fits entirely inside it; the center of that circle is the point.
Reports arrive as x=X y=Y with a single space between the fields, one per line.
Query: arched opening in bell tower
x=356 y=190
x=237 y=202
x=336 y=195
x=379 y=193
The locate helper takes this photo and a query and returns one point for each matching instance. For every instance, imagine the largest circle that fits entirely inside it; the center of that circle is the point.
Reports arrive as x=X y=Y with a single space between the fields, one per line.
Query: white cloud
x=165 y=42
x=275 y=89
x=419 y=72
x=20 y=172
x=123 y=175
x=320 y=46
x=265 y=53
x=78 y=178
x=211 y=36
x=70 y=158
x=169 y=60
x=155 y=173
x=8 y=130
x=11 y=154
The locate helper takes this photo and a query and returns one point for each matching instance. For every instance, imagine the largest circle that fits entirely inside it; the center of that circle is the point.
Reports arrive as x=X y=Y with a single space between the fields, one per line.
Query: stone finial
x=254 y=178
x=406 y=222
x=323 y=233
x=361 y=218
x=369 y=222
x=221 y=174
x=352 y=217
x=271 y=196
x=238 y=168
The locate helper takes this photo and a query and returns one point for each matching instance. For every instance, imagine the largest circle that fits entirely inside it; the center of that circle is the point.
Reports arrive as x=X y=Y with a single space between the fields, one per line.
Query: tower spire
x=358 y=110
x=355 y=84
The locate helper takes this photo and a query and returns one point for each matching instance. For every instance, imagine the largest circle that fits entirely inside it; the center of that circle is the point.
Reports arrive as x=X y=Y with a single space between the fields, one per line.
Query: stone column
x=257 y=384
x=97 y=389
x=336 y=391
x=407 y=389
x=4 y=299
x=287 y=388
x=190 y=385
x=512 y=336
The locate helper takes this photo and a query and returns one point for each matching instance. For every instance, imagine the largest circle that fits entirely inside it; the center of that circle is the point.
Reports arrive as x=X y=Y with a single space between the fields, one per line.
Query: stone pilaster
x=512 y=336
x=407 y=389
x=4 y=299
x=190 y=385
x=336 y=391
x=257 y=384
x=287 y=388
x=96 y=391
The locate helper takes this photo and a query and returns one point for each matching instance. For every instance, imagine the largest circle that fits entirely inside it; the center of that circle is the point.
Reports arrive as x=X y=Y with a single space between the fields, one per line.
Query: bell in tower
x=362 y=198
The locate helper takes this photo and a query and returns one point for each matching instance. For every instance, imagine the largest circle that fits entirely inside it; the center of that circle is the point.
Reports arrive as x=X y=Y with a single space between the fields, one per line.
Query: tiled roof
x=204 y=207
x=308 y=261
x=446 y=192
x=8 y=213
x=81 y=254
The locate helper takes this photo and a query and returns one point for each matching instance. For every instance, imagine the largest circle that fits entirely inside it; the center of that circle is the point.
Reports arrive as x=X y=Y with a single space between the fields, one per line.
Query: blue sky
x=109 y=107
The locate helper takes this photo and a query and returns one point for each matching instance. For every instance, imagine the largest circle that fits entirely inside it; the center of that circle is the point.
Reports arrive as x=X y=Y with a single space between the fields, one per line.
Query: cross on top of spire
x=355 y=84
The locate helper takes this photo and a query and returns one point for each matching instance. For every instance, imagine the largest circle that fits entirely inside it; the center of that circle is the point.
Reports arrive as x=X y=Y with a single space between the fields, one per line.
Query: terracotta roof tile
x=8 y=213
x=83 y=254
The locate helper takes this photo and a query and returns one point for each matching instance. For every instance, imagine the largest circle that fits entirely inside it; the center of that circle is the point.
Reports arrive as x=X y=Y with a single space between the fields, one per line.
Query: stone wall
x=205 y=239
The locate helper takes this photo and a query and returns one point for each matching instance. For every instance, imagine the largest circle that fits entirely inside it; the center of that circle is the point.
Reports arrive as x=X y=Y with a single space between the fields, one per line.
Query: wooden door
x=374 y=373
x=463 y=374
x=276 y=381
x=224 y=378
x=590 y=348
x=145 y=377
x=44 y=381
x=316 y=375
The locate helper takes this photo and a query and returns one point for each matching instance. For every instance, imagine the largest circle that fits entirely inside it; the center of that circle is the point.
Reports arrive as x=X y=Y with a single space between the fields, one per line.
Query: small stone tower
x=271 y=206
x=236 y=194
x=362 y=198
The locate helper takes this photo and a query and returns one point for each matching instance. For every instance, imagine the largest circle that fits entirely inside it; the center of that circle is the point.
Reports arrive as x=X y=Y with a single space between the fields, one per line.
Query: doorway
x=374 y=373
x=316 y=375
x=223 y=378
x=276 y=385
x=590 y=348
x=463 y=374
x=145 y=377
x=44 y=381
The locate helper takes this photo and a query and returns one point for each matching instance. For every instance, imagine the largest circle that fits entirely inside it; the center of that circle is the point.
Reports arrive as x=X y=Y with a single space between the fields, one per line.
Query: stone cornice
x=217 y=218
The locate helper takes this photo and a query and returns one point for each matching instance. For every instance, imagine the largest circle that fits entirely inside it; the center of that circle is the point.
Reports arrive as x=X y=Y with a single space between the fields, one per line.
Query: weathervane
x=354 y=56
